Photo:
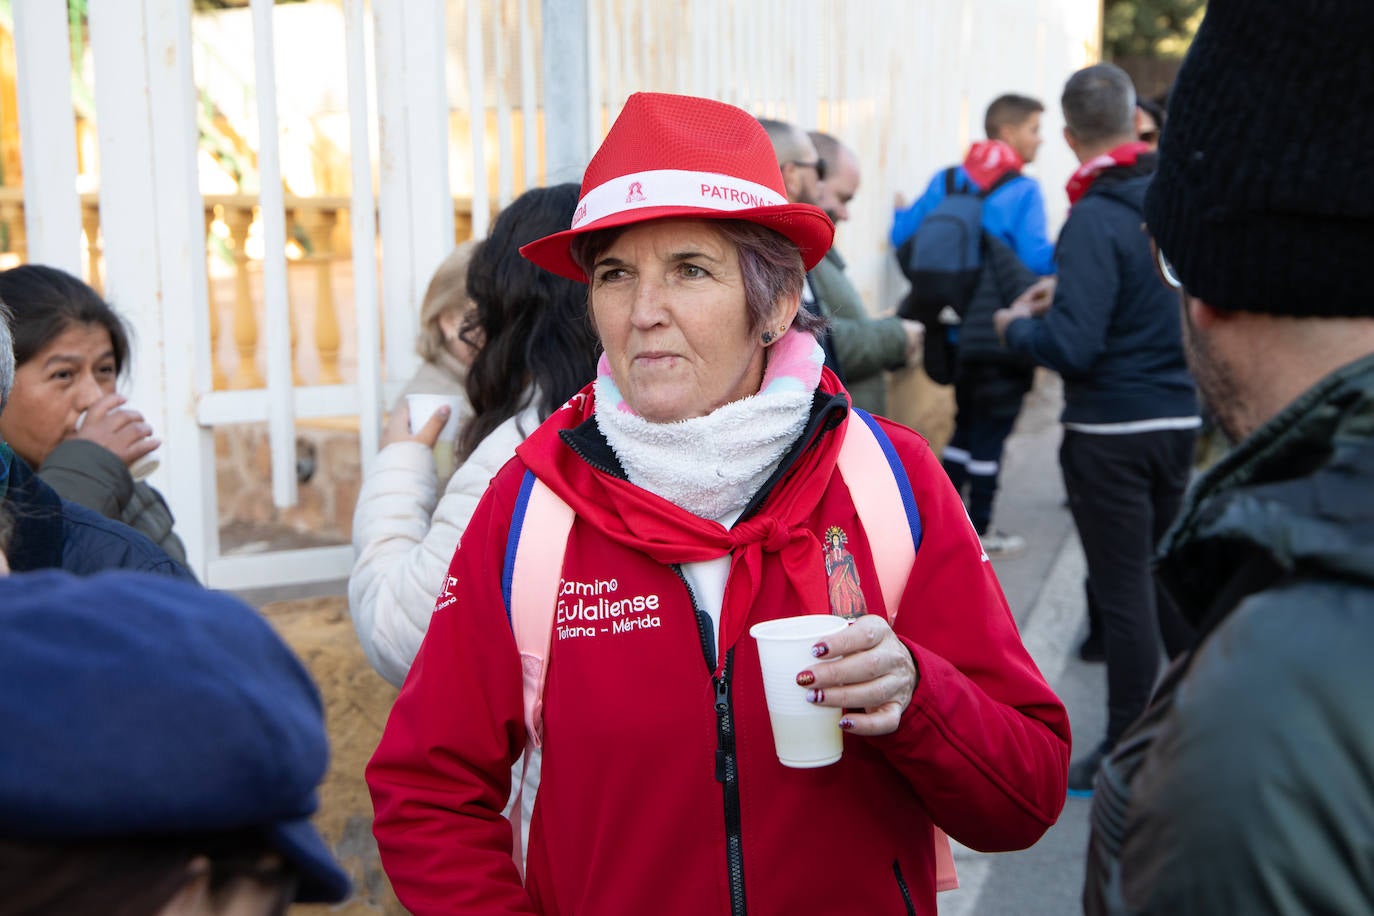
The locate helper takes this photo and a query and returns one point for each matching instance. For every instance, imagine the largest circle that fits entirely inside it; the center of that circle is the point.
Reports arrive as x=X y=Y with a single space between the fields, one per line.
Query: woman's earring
x=767 y=338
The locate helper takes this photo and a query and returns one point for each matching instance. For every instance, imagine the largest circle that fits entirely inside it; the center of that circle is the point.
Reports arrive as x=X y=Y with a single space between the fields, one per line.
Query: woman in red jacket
x=700 y=468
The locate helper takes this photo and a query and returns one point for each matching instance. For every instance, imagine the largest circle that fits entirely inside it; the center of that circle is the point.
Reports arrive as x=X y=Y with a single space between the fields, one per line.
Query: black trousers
x=1124 y=491
x=987 y=399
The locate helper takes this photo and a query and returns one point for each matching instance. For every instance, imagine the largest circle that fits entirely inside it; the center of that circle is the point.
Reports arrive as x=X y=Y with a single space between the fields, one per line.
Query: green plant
x=1150 y=28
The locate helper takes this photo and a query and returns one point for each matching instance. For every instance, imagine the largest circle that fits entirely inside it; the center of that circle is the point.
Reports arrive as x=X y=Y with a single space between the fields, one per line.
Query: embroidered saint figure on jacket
x=846 y=596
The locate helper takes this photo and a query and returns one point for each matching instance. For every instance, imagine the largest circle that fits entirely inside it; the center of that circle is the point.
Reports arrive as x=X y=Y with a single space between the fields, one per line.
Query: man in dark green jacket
x=1248 y=784
x=867 y=347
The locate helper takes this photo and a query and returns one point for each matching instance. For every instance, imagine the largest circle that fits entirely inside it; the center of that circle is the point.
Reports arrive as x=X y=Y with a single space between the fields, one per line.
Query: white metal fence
x=528 y=87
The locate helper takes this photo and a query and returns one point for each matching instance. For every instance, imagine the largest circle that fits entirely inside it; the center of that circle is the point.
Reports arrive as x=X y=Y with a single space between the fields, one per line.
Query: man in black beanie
x=1248 y=784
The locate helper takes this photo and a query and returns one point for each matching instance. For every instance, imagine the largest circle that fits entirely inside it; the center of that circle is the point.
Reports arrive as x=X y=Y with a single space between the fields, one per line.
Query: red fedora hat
x=677 y=156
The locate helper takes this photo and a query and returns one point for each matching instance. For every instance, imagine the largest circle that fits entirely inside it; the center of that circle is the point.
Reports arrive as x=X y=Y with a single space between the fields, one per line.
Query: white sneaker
x=1000 y=544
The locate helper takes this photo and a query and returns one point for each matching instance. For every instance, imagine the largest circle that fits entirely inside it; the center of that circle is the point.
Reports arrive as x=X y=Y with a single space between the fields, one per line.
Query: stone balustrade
x=318 y=245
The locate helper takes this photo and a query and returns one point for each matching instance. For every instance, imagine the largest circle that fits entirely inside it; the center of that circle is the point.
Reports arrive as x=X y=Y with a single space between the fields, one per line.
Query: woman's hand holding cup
x=397 y=427
x=119 y=429
x=877 y=675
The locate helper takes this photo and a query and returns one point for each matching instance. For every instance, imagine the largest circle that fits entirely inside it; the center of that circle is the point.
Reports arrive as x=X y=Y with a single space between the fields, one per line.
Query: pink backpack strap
x=884 y=502
x=886 y=506
x=533 y=569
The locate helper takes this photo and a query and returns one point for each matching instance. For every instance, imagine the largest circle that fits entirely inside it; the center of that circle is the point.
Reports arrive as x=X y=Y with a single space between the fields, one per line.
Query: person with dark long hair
x=65 y=416
x=535 y=350
x=40 y=529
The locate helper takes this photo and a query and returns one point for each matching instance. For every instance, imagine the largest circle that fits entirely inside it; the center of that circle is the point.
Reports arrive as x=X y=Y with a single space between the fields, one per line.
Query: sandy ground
x=357 y=701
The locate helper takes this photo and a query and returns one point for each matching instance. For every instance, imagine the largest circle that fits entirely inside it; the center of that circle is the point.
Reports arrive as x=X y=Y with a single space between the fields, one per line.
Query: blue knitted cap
x=140 y=706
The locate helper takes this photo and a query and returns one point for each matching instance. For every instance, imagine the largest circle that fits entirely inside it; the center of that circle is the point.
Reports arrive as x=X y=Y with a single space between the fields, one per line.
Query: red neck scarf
x=989 y=160
x=650 y=524
x=1124 y=155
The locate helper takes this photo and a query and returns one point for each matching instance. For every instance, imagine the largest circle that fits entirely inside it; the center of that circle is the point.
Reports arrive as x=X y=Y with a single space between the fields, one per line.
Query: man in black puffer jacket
x=1130 y=409
x=990 y=382
x=1248 y=785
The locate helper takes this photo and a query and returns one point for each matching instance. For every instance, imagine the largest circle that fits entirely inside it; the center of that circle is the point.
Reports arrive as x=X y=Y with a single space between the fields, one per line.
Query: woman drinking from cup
x=701 y=474
x=65 y=417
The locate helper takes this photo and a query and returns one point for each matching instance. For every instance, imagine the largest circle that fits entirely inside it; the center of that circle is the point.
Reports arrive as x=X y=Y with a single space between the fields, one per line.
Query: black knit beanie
x=1264 y=196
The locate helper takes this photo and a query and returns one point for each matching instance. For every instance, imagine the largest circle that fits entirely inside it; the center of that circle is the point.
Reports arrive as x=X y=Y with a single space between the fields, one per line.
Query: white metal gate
x=902 y=81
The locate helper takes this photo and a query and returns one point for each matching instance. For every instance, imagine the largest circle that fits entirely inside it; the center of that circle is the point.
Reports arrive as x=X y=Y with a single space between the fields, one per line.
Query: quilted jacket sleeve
x=90 y=475
x=403 y=542
x=443 y=841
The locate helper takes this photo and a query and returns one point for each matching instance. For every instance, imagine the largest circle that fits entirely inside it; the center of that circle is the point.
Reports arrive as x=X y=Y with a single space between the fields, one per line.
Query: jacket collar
x=1296 y=492
x=647 y=523
x=828 y=410
x=37 y=509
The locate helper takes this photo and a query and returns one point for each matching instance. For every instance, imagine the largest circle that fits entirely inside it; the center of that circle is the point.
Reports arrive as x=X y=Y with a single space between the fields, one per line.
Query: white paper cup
x=805 y=735
x=422 y=407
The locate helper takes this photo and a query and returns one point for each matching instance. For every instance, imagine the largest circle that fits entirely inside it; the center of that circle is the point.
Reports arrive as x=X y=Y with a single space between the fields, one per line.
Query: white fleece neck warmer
x=712 y=466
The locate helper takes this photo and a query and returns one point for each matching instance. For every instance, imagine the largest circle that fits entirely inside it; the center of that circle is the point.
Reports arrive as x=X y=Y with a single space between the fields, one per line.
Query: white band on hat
x=673 y=188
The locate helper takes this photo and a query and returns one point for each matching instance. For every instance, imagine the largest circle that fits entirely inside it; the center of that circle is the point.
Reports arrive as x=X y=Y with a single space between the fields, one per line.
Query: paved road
x=1045 y=589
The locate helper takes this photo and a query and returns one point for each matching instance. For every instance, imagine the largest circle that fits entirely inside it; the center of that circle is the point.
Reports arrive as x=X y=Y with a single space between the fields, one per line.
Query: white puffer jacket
x=402 y=543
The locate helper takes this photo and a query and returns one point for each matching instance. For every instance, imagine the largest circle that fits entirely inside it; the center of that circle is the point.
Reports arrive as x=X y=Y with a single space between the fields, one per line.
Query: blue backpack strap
x=899 y=475
x=517 y=524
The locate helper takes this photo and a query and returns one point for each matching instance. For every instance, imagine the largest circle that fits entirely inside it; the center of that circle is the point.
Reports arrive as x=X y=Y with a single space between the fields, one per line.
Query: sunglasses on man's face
x=818 y=165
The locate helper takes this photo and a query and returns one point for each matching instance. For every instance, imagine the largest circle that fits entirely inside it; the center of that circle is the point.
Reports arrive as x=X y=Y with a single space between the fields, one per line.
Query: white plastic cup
x=140 y=468
x=804 y=735
x=422 y=407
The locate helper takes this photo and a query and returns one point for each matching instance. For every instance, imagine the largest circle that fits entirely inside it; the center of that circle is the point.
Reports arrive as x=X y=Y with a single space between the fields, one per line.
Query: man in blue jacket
x=1130 y=409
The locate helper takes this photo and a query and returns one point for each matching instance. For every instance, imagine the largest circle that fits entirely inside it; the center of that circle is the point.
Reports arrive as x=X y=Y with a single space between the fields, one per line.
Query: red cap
x=677 y=156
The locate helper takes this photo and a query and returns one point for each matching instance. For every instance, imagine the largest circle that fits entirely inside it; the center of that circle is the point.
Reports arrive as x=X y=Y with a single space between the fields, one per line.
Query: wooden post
x=152 y=211
x=569 y=106
x=415 y=210
x=47 y=133
x=281 y=401
x=363 y=237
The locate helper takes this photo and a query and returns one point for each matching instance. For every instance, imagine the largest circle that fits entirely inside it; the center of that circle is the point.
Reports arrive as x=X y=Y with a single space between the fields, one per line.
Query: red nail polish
x=815 y=696
x=846 y=723
x=819 y=650
x=806 y=679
